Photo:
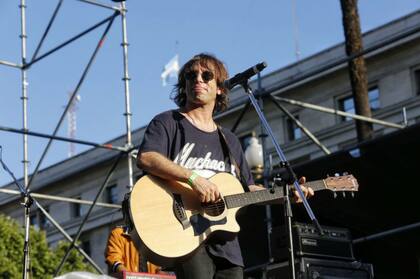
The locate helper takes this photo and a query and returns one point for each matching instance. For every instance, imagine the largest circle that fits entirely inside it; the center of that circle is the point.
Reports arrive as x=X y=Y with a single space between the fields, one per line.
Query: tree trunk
x=357 y=67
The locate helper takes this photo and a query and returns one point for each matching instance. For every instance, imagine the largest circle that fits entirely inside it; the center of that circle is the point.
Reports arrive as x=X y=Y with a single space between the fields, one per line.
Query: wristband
x=115 y=266
x=192 y=178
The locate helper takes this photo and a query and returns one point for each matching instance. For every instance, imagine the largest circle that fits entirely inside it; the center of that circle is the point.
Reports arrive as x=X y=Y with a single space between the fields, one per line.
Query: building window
x=374 y=98
x=293 y=131
x=347 y=104
x=86 y=246
x=33 y=220
x=112 y=194
x=417 y=81
x=43 y=221
x=76 y=208
x=38 y=220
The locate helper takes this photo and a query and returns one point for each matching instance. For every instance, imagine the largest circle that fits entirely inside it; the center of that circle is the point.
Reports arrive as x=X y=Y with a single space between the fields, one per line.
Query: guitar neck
x=248 y=198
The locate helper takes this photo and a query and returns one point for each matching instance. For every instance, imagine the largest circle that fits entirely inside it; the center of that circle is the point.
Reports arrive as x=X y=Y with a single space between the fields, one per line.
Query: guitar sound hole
x=215 y=209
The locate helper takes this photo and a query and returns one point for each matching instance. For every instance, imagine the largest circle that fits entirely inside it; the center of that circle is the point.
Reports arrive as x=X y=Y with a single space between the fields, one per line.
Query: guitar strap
x=226 y=150
x=143 y=264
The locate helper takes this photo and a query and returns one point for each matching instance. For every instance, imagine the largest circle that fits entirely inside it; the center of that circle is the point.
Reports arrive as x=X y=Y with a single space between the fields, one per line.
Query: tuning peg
x=344 y=194
x=336 y=174
x=352 y=194
x=345 y=173
x=335 y=195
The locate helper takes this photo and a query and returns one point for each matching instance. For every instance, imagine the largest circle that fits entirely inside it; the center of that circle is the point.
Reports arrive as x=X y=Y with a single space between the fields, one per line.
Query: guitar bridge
x=178 y=208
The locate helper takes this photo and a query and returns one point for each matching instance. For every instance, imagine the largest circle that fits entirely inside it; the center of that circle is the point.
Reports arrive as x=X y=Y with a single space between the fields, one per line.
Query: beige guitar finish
x=151 y=206
x=172 y=223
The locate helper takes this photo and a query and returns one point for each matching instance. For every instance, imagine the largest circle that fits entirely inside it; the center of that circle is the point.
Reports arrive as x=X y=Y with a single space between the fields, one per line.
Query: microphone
x=245 y=75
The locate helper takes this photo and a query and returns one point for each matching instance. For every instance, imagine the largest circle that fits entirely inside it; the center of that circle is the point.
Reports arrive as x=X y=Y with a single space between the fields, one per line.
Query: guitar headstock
x=342 y=183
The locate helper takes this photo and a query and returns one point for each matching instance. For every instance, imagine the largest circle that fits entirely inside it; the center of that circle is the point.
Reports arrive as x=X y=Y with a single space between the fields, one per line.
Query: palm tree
x=357 y=67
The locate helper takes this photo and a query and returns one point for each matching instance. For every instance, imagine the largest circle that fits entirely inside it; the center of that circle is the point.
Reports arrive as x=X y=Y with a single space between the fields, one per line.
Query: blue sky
x=239 y=32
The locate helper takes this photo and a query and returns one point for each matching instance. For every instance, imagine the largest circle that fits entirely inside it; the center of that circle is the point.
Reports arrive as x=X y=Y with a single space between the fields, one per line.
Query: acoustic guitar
x=172 y=223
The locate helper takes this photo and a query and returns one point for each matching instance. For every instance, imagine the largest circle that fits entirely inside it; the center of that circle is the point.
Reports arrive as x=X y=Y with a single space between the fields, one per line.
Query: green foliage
x=44 y=260
x=11 y=244
x=74 y=262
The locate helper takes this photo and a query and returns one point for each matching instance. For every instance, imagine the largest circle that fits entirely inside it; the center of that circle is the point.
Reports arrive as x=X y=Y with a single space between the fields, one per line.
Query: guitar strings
x=232 y=198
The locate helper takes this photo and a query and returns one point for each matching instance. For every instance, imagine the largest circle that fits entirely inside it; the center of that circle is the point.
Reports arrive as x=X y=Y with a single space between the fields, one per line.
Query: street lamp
x=254 y=157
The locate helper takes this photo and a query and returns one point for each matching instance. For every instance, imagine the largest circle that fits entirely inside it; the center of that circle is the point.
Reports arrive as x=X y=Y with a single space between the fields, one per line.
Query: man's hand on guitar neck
x=308 y=191
x=208 y=192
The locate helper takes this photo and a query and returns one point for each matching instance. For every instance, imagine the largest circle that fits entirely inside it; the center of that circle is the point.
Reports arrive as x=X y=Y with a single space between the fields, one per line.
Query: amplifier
x=142 y=275
x=311 y=268
x=334 y=244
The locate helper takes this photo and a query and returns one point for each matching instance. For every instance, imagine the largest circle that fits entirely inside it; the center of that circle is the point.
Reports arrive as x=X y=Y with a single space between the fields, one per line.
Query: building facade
x=394 y=86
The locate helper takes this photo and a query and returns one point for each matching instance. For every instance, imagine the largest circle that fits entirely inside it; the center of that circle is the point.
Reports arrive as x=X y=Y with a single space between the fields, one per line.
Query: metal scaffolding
x=124 y=151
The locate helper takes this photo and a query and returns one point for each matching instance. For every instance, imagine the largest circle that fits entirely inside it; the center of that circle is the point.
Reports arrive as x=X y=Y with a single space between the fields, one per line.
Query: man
x=186 y=145
x=121 y=253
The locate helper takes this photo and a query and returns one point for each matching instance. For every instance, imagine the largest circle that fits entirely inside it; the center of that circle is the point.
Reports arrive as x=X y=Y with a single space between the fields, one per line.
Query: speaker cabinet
x=335 y=244
x=311 y=268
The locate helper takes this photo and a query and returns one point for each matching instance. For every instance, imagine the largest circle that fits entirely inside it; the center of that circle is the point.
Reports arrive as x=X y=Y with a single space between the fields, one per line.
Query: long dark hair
x=179 y=95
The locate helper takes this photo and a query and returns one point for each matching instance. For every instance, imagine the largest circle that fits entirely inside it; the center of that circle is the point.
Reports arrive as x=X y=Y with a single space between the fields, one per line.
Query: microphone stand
x=290 y=174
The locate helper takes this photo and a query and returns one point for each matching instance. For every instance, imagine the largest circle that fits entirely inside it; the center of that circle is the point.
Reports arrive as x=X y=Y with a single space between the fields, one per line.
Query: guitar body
x=171 y=221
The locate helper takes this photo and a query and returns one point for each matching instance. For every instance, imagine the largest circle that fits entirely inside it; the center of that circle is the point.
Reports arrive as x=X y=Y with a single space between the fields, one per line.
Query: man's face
x=201 y=87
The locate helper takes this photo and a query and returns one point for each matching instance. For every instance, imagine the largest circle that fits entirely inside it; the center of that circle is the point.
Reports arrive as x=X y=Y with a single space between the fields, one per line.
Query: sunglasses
x=206 y=76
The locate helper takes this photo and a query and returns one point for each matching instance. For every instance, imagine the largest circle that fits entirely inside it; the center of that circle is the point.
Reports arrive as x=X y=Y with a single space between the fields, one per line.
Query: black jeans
x=206 y=266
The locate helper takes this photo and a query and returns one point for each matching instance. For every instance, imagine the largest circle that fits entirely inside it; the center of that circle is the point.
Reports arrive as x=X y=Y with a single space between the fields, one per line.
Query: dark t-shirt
x=172 y=135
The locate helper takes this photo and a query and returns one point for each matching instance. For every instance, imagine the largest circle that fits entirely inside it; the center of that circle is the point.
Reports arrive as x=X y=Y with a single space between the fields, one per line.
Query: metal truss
x=24 y=67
